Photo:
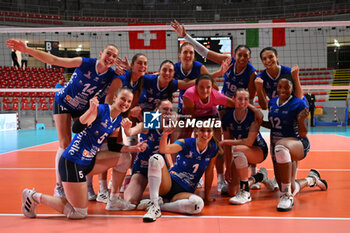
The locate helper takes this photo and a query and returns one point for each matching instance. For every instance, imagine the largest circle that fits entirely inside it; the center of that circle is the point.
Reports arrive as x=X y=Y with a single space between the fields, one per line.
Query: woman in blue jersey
x=289 y=142
x=90 y=77
x=138 y=182
x=239 y=73
x=177 y=185
x=133 y=79
x=266 y=81
x=162 y=86
x=241 y=130
x=79 y=159
x=189 y=69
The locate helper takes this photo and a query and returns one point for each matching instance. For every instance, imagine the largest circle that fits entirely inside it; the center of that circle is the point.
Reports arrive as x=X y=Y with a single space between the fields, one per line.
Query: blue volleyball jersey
x=270 y=83
x=234 y=80
x=126 y=78
x=191 y=164
x=179 y=75
x=84 y=146
x=83 y=85
x=240 y=130
x=140 y=163
x=152 y=94
x=283 y=118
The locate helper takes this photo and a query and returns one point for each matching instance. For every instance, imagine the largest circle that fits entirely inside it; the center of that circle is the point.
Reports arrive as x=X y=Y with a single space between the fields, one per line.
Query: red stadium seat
x=44 y=107
x=25 y=106
x=6 y=107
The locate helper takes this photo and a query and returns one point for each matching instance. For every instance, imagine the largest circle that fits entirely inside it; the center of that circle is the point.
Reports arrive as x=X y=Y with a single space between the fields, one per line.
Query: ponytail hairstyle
x=171 y=85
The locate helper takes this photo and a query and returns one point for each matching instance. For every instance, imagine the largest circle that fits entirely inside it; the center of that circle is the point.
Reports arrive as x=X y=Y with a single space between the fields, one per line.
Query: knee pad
x=156 y=161
x=123 y=162
x=282 y=154
x=195 y=206
x=74 y=213
x=240 y=160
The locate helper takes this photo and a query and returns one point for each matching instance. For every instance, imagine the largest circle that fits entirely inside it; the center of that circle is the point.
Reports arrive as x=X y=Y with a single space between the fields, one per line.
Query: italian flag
x=265 y=37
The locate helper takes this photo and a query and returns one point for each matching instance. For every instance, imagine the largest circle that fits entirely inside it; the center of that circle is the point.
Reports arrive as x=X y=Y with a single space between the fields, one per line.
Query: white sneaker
x=102 y=196
x=241 y=197
x=119 y=204
x=322 y=184
x=255 y=186
x=28 y=203
x=59 y=191
x=146 y=203
x=153 y=213
x=91 y=193
x=221 y=184
x=286 y=203
x=269 y=184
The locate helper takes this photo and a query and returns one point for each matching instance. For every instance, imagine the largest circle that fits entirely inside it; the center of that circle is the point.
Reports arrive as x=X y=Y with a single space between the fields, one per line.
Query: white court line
x=28 y=148
x=185 y=216
x=270 y=169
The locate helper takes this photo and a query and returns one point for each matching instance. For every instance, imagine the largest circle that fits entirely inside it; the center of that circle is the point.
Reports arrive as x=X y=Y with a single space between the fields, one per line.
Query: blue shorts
x=73 y=172
x=59 y=109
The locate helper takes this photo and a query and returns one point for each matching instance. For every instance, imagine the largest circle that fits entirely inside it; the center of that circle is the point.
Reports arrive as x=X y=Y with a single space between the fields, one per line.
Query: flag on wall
x=147 y=39
x=252 y=36
x=278 y=34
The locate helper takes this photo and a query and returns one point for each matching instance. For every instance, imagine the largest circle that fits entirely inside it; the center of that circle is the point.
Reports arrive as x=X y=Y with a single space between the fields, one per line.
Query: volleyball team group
x=107 y=106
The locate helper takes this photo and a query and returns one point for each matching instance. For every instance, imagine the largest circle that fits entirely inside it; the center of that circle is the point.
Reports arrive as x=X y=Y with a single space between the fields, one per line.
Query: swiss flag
x=147 y=39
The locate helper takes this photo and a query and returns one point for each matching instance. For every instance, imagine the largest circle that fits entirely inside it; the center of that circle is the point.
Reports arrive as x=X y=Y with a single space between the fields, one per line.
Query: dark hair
x=171 y=85
x=140 y=80
x=268 y=49
x=205 y=76
x=243 y=46
x=185 y=44
x=240 y=89
x=290 y=79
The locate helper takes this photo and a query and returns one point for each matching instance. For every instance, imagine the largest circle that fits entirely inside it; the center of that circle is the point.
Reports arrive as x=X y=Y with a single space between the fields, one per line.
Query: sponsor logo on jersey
x=87 y=154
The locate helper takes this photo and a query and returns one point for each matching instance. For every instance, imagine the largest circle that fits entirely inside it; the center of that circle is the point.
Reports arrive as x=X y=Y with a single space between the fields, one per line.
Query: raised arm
x=166 y=148
x=43 y=56
x=87 y=118
x=200 y=49
x=225 y=65
x=261 y=93
x=251 y=87
x=302 y=122
x=131 y=131
x=295 y=74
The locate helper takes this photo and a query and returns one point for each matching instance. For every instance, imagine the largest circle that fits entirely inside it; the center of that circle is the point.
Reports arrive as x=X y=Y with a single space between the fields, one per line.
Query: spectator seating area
x=37 y=18
x=11 y=77
x=31 y=78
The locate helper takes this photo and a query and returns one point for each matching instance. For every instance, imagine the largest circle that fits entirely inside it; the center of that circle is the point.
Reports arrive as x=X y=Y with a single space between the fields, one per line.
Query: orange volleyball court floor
x=314 y=210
